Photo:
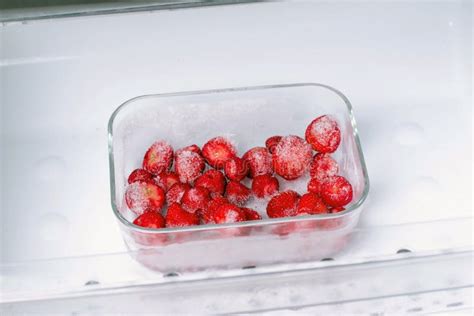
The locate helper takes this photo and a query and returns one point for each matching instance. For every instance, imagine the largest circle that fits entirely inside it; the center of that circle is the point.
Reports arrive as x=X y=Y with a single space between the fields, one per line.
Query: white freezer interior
x=406 y=67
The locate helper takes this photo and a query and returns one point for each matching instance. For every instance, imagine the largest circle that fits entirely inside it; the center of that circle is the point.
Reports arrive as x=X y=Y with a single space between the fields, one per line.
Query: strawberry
x=150 y=220
x=143 y=197
x=310 y=204
x=217 y=151
x=235 y=169
x=336 y=209
x=166 y=180
x=323 y=134
x=251 y=215
x=237 y=193
x=314 y=185
x=188 y=165
x=323 y=166
x=272 y=142
x=140 y=175
x=292 y=157
x=178 y=217
x=194 y=148
x=283 y=204
x=336 y=191
x=212 y=180
x=229 y=213
x=207 y=214
x=176 y=192
x=259 y=161
x=265 y=185
x=158 y=158
x=195 y=199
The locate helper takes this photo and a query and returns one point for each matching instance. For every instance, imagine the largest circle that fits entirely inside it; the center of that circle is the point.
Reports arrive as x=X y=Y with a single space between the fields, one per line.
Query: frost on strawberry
x=323 y=134
x=292 y=157
x=144 y=197
x=158 y=158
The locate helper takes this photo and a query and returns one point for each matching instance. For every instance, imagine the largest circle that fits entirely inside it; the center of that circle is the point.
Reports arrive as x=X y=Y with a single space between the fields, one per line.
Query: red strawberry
x=193 y=148
x=150 y=220
x=237 y=193
x=323 y=134
x=310 y=204
x=212 y=180
x=323 y=166
x=314 y=185
x=251 y=215
x=188 y=165
x=207 y=214
x=176 y=192
x=178 y=217
x=217 y=151
x=259 y=161
x=336 y=209
x=158 y=157
x=283 y=204
x=265 y=185
x=195 y=199
x=166 y=180
x=272 y=142
x=143 y=197
x=140 y=175
x=336 y=191
x=236 y=169
x=229 y=213
x=292 y=157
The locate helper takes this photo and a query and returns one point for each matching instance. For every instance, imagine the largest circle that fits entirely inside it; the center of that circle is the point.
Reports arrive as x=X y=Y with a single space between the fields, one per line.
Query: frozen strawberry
x=311 y=204
x=212 y=180
x=188 y=165
x=217 y=151
x=259 y=161
x=143 y=197
x=314 y=185
x=166 y=180
x=178 y=217
x=265 y=185
x=195 y=199
x=237 y=193
x=176 y=192
x=140 y=175
x=336 y=191
x=251 y=215
x=323 y=166
x=150 y=220
x=193 y=148
x=207 y=214
x=236 y=169
x=323 y=134
x=283 y=204
x=272 y=142
x=336 y=209
x=229 y=213
x=158 y=158
x=292 y=157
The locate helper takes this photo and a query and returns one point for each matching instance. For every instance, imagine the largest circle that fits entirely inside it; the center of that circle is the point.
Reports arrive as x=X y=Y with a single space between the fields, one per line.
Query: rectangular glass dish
x=242 y=114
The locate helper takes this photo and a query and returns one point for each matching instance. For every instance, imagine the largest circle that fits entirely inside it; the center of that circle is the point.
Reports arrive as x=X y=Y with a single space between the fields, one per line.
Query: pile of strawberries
x=195 y=196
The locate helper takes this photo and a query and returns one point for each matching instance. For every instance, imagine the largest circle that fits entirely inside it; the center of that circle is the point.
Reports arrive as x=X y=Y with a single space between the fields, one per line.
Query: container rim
x=266 y=221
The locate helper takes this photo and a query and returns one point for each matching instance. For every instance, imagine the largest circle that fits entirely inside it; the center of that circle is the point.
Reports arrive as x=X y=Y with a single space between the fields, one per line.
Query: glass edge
x=262 y=222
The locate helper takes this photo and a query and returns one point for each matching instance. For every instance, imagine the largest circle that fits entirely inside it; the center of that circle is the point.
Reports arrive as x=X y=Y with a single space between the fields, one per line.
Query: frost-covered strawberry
x=178 y=217
x=217 y=151
x=195 y=199
x=144 y=197
x=311 y=204
x=259 y=161
x=166 y=180
x=150 y=220
x=336 y=191
x=271 y=143
x=212 y=180
x=188 y=165
x=292 y=157
x=229 y=213
x=207 y=214
x=140 y=175
x=314 y=185
x=323 y=134
x=176 y=192
x=158 y=158
x=323 y=166
x=265 y=185
x=237 y=193
x=194 y=148
x=236 y=169
x=283 y=204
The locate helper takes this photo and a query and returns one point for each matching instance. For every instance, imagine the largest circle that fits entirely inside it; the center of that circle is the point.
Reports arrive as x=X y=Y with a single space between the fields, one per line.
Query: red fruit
x=158 y=157
x=178 y=217
x=259 y=161
x=314 y=185
x=323 y=134
x=237 y=193
x=212 y=180
x=195 y=199
x=207 y=214
x=251 y=215
x=292 y=157
x=336 y=209
x=166 y=180
x=188 y=165
x=272 y=142
x=265 y=185
x=310 y=204
x=336 y=191
x=140 y=175
x=229 y=213
x=150 y=220
x=193 y=148
x=217 y=151
x=323 y=166
x=144 y=197
x=283 y=204
x=236 y=169
x=176 y=192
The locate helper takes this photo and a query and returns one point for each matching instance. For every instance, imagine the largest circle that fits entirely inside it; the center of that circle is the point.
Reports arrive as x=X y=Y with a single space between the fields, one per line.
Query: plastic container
x=241 y=114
